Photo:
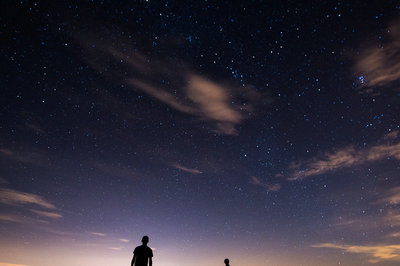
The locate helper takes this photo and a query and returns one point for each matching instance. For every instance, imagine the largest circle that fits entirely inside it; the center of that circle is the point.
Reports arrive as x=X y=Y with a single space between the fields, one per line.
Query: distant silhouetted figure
x=142 y=254
x=226 y=261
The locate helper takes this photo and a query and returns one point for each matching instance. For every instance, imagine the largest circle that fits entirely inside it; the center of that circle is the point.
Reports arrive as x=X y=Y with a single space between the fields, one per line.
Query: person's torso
x=142 y=253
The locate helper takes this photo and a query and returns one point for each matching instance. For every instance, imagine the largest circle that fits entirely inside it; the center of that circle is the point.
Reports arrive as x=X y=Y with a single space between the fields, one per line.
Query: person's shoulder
x=149 y=251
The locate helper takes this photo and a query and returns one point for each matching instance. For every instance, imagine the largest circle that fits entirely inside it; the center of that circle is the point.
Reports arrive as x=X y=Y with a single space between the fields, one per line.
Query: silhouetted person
x=142 y=254
x=226 y=261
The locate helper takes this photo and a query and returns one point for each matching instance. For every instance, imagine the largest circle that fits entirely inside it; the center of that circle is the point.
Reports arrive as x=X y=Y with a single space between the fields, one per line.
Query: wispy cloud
x=52 y=215
x=214 y=103
x=386 y=216
x=25 y=219
x=342 y=222
x=391 y=197
x=186 y=169
x=162 y=95
x=124 y=240
x=35 y=128
x=345 y=157
x=256 y=181
x=392 y=219
x=392 y=135
x=377 y=253
x=14 y=197
x=25 y=201
x=222 y=105
x=33 y=157
x=116 y=248
x=11 y=264
x=395 y=234
x=380 y=64
x=204 y=98
x=98 y=234
x=13 y=218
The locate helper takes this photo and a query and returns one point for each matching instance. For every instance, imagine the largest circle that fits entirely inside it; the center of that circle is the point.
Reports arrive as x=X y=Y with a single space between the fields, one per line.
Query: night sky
x=266 y=132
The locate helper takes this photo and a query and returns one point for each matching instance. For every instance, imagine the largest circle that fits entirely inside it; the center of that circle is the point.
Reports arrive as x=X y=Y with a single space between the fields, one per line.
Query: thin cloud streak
x=116 y=248
x=392 y=219
x=392 y=197
x=124 y=240
x=256 y=181
x=27 y=220
x=386 y=217
x=12 y=218
x=163 y=96
x=35 y=128
x=380 y=65
x=344 y=158
x=392 y=135
x=186 y=169
x=98 y=234
x=52 y=215
x=34 y=157
x=396 y=234
x=14 y=197
x=11 y=264
x=378 y=253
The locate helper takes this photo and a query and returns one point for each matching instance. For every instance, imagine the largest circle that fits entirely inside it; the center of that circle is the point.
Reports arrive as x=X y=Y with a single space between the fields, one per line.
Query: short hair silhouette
x=226 y=261
x=142 y=255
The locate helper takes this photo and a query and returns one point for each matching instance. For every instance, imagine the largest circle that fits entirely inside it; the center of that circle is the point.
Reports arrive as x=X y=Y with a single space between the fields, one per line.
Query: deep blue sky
x=267 y=132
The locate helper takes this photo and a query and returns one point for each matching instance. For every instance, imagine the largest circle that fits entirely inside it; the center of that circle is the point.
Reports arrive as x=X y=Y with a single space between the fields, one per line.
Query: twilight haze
x=266 y=132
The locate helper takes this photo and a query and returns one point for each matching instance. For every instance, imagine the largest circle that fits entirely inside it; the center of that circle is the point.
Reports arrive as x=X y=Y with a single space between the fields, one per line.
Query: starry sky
x=266 y=132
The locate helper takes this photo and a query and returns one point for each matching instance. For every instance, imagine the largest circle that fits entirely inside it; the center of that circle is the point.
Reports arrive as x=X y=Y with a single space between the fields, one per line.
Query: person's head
x=226 y=261
x=145 y=240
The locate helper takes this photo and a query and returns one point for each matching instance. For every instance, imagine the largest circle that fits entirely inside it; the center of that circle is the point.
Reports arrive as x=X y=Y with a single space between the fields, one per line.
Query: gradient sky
x=263 y=132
